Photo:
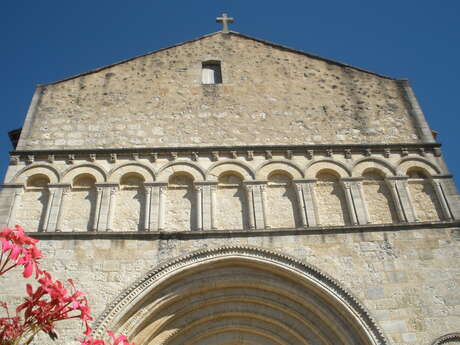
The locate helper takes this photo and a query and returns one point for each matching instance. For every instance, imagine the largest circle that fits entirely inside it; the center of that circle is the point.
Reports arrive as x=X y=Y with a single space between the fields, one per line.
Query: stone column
x=111 y=205
x=358 y=202
x=257 y=213
x=447 y=214
x=250 y=203
x=208 y=204
x=103 y=205
x=15 y=202
x=350 y=203
x=47 y=210
x=305 y=202
x=400 y=194
x=365 y=208
x=263 y=199
x=213 y=190
x=161 y=206
x=65 y=192
x=153 y=208
x=148 y=205
x=97 y=211
x=199 y=207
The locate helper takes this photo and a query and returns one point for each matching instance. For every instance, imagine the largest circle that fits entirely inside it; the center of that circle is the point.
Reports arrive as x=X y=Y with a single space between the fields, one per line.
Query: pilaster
x=256 y=204
x=157 y=208
x=61 y=196
x=357 y=201
x=15 y=192
x=401 y=198
x=104 y=203
x=306 y=203
x=352 y=214
x=442 y=198
x=206 y=205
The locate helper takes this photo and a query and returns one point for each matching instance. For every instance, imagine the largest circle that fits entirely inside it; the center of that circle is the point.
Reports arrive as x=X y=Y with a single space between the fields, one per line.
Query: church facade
x=228 y=190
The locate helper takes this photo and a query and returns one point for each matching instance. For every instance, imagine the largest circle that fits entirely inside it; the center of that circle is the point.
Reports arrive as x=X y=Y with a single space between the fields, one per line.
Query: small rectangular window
x=211 y=72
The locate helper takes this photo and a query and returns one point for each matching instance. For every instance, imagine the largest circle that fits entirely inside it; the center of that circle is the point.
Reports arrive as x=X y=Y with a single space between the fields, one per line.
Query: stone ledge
x=321 y=147
x=141 y=235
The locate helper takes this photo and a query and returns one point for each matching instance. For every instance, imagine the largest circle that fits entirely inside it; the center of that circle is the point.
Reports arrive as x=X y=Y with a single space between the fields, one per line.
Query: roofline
x=275 y=45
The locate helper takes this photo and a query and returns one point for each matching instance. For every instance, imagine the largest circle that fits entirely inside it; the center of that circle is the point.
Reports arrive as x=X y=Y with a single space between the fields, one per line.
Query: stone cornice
x=261 y=148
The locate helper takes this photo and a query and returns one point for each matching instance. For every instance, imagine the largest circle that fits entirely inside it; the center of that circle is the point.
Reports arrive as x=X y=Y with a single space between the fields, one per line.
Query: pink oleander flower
x=52 y=302
x=17 y=249
x=120 y=340
x=11 y=327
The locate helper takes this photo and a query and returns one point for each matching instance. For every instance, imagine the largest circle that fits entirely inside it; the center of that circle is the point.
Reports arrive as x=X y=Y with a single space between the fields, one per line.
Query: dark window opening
x=211 y=72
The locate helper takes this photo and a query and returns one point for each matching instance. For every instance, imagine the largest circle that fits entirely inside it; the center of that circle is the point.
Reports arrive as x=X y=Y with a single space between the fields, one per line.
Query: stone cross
x=224 y=20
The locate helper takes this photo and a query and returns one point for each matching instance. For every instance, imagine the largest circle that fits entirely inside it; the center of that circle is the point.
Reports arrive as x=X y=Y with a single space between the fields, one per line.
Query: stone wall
x=269 y=95
x=404 y=277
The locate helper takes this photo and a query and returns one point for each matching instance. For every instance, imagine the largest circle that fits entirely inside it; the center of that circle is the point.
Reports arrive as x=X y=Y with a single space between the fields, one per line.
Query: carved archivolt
x=327 y=164
x=417 y=162
x=37 y=169
x=94 y=170
x=117 y=173
x=213 y=294
x=373 y=163
x=448 y=339
x=287 y=167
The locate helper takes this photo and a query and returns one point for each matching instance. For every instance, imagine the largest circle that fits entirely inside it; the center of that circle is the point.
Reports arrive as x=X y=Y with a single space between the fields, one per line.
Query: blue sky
x=44 y=41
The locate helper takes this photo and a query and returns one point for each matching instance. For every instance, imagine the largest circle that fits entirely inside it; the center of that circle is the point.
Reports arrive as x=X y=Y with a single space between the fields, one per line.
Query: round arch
x=215 y=170
x=215 y=294
x=416 y=162
x=92 y=169
x=372 y=163
x=172 y=168
x=117 y=173
x=264 y=170
x=341 y=169
x=38 y=169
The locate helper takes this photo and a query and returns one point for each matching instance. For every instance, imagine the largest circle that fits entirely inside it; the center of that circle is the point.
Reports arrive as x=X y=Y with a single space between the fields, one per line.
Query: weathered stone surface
x=289 y=98
x=410 y=311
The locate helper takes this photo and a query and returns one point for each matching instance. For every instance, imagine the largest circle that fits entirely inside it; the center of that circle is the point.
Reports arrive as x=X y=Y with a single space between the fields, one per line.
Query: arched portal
x=239 y=295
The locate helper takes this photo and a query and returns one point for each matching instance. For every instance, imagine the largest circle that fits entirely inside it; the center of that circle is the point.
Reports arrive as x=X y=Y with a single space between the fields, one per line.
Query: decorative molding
x=268 y=154
x=138 y=290
x=447 y=338
x=194 y=156
x=14 y=159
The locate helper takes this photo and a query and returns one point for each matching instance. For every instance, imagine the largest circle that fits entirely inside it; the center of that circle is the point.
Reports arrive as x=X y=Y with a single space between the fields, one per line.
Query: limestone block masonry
x=294 y=200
